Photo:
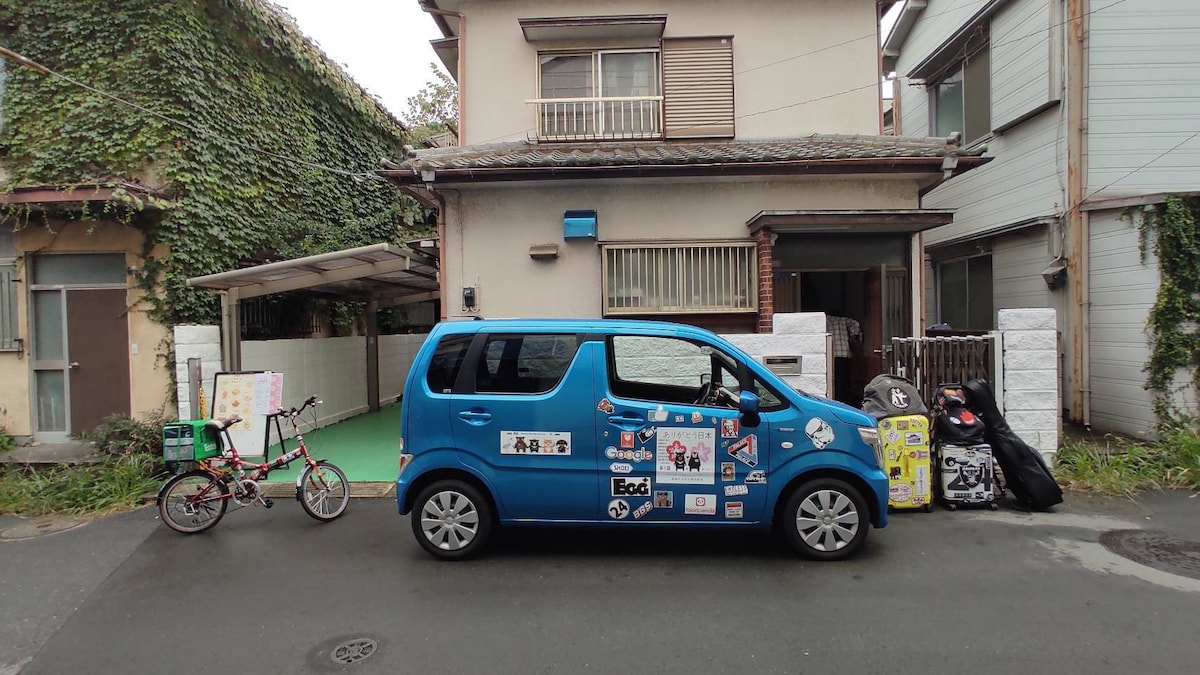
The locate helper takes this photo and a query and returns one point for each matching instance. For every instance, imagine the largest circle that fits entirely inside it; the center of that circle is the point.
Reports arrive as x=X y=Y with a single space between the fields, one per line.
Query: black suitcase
x=1026 y=474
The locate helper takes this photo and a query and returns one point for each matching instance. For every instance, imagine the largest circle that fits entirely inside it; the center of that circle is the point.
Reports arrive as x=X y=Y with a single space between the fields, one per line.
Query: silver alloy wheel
x=827 y=520
x=449 y=520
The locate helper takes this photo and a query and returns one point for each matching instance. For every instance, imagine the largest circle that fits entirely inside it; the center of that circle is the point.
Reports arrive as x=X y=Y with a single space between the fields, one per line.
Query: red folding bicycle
x=195 y=501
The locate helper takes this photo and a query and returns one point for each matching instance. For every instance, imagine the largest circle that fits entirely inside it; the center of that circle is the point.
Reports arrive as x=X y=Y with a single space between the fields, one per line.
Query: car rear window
x=446 y=362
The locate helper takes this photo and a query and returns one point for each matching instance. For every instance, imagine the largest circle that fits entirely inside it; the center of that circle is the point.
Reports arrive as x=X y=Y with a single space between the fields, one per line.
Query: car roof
x=573 y=325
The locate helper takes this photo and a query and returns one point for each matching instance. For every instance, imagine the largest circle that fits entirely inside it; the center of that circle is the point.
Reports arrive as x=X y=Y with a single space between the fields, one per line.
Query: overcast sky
x=383 y=44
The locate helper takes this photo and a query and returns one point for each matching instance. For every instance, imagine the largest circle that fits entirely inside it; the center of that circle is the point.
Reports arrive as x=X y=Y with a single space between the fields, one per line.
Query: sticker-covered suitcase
x=967 y=476
x=906 y=459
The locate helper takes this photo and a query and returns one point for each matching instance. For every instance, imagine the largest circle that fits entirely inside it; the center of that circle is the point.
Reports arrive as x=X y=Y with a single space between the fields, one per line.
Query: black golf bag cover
x=1025 y=471
x=953 y=422
x=890 y=396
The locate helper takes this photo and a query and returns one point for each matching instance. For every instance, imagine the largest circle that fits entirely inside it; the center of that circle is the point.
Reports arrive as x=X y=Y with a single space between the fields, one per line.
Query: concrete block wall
x=794 y=334
x=203 y=342
x=1031 y=383
x=335 y=369
x=396 y=354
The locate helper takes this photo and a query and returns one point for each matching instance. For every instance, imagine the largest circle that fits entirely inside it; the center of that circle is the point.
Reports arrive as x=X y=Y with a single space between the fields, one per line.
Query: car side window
x=665 y=369
x=524 y=364
x=447 y=360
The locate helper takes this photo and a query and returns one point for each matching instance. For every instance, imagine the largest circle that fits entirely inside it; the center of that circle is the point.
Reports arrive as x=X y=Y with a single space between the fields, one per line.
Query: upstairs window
x=962 y=99
x=599 y=94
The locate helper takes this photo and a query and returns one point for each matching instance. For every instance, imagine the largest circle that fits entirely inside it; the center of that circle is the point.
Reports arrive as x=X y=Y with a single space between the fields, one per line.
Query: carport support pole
x=231 y=330
x=373 y=356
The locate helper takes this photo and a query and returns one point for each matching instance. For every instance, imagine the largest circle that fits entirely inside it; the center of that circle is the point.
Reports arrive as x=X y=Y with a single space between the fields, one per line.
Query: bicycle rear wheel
x=193 y=502
x=324 y=491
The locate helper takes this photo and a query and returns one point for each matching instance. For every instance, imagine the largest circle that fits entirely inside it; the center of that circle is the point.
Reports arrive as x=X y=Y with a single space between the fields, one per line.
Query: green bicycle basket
x=189 y=441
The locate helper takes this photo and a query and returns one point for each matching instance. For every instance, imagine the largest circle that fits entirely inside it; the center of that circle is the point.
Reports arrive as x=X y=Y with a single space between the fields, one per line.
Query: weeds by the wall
x=1125 y=466
x=118 y=483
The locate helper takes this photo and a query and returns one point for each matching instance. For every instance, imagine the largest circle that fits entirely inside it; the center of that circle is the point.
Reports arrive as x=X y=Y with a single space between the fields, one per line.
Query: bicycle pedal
x=268 y=503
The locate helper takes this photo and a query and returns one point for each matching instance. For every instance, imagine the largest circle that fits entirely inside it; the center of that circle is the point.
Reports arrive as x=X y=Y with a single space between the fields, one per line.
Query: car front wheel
x=826 y=519
x=452 y=520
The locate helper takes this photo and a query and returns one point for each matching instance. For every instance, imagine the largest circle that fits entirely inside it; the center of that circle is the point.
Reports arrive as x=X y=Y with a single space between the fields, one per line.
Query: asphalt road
x=273 y=591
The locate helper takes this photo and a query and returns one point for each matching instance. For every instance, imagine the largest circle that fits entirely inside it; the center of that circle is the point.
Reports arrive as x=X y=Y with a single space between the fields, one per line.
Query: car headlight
x=870 y=436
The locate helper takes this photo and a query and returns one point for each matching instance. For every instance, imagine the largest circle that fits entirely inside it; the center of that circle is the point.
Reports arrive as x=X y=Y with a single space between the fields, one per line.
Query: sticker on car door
x=685 y=456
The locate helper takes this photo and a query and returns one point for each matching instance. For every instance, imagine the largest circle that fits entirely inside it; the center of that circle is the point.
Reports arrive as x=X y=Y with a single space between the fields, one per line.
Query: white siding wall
x=1022 y=183
x=1017 y=263
x=1021 y=59
x=1123 y=290
x=1144 y=94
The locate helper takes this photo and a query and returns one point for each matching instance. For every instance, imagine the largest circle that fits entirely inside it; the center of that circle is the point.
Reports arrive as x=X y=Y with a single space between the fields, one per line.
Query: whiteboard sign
x=251 y=396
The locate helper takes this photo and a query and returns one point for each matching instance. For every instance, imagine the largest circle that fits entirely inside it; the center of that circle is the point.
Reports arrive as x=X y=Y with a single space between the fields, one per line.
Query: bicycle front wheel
x=193 y=502
x=324 y=491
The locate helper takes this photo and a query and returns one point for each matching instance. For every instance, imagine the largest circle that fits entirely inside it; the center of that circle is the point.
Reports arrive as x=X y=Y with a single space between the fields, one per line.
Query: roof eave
x=914 y=165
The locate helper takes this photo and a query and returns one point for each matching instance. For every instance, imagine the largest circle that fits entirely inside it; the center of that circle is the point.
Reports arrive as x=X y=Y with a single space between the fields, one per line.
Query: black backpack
x=953 y=421
x=891 y=396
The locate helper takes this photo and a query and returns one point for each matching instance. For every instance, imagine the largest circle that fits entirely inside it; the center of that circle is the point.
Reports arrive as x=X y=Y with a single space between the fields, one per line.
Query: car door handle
x=475 y=417
x=627 y=422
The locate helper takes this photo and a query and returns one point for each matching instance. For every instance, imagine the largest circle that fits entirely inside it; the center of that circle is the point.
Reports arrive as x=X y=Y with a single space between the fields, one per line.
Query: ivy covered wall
x=240 y=76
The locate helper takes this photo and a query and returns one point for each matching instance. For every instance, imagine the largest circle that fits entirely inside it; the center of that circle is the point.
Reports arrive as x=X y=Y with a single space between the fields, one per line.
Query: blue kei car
x=625 y=423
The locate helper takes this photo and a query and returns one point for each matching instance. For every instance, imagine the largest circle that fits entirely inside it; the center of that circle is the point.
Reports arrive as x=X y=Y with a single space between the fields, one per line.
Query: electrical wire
x=30 y=63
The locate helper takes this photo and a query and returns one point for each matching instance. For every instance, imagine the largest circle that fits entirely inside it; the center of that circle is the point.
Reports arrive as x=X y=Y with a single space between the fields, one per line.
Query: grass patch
x=6 y=442
x=1125 y=466
x=118 y=483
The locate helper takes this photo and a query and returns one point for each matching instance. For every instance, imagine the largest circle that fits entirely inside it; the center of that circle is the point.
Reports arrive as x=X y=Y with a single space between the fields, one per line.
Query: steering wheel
x=706 y=390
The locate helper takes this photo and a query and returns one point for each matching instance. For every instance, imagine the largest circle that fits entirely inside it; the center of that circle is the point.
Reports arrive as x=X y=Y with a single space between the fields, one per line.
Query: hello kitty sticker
x=685 y=456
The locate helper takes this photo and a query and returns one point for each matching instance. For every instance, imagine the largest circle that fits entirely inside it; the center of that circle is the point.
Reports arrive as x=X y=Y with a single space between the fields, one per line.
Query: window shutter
x=8 y=308
x=698 y=87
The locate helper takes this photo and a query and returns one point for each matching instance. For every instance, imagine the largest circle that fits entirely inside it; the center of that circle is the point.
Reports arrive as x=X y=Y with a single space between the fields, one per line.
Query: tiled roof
x=815 y=148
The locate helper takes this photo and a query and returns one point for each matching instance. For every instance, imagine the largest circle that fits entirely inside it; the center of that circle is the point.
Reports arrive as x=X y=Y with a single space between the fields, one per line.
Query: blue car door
x=673 y=453
x=526 y=424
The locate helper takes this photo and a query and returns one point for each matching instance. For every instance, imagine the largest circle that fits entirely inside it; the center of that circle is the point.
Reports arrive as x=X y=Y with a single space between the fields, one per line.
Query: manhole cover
x=1155 y=549
x=39 y=527
x=353 y=651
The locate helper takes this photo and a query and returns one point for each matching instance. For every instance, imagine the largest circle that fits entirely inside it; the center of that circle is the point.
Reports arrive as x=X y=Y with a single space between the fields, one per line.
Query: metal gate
x=932 y=361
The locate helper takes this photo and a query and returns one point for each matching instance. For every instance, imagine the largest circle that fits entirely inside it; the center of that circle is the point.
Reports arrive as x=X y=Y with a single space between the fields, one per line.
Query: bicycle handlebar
x=294 y=411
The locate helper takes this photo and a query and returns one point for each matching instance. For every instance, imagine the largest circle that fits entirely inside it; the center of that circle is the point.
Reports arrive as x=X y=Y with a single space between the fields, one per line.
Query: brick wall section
x=766 y=282
x=1031 y=383
x=801 y=334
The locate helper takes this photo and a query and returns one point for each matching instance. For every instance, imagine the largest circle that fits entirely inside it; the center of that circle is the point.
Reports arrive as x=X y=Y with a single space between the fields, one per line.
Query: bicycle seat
x=223 y=423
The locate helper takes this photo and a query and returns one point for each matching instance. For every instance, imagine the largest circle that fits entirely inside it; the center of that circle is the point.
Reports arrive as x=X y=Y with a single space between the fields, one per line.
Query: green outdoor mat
x=366 y=447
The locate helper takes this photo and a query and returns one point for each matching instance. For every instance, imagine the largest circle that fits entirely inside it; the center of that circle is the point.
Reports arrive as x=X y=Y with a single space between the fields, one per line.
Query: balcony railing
x=599 y=118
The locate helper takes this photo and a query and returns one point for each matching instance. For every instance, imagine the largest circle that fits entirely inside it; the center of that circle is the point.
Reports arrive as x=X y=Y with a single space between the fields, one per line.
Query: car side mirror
x=748 y=402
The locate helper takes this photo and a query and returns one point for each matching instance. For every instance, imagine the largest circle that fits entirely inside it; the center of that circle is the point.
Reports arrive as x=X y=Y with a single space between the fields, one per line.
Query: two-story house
x=1089 y=110
x=707 y=162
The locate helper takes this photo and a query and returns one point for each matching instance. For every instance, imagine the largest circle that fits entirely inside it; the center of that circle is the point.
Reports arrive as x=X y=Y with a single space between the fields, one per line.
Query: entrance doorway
x=867 y=298
x=80 y=336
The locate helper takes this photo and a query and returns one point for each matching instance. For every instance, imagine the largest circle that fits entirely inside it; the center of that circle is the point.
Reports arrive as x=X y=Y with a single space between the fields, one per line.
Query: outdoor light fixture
x=1055 y=274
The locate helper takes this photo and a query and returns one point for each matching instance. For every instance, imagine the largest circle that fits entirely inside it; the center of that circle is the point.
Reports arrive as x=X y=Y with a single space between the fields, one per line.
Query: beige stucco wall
x=770 y=38
x=148 y=379
x=501 y=223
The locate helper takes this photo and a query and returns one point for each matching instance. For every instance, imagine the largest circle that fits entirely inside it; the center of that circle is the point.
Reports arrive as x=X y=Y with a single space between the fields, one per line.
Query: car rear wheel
x=452 y=520
x=826 y=519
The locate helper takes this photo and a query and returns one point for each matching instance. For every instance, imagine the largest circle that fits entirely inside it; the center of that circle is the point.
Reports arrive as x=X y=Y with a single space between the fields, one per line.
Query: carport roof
x=383 y=272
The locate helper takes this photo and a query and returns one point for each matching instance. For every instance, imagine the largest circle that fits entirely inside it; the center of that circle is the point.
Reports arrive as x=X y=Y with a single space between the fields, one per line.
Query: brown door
x=869 y=363
x=97 y=345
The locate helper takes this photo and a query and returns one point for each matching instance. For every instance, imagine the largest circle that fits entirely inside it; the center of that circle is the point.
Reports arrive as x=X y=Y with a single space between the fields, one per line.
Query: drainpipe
x=462 y=62
x=1077 y=220
x=441 y=233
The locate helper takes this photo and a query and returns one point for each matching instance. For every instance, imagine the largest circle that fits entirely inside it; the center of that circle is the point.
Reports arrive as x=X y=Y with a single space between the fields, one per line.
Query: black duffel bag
x=1026 y=473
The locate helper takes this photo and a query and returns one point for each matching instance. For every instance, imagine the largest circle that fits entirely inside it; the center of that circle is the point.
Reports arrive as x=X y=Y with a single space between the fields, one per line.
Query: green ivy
x=231 y=69
x=1170 y=231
